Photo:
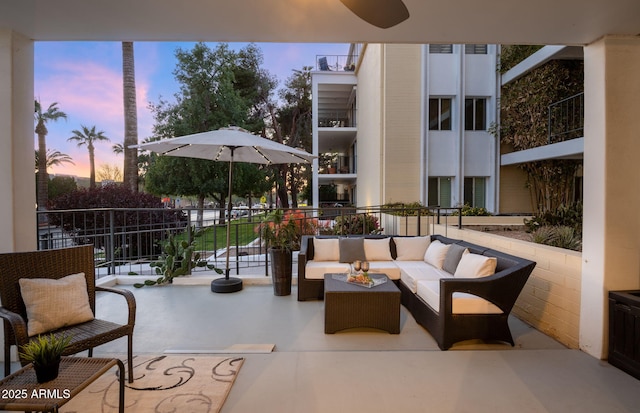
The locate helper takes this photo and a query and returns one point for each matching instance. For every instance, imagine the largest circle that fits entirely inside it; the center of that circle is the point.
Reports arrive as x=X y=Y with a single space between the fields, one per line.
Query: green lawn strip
x=215 y=236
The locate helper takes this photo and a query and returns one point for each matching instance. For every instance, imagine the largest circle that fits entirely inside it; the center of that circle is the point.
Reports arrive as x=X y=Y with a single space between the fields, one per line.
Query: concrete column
x=17 y=173
x=611 y=240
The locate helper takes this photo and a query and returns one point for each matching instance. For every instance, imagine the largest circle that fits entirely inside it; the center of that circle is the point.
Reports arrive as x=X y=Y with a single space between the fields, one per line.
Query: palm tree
x=130 y=117
x=54 y=158
x=87 y=137
x=118 y=148
x=42 y=118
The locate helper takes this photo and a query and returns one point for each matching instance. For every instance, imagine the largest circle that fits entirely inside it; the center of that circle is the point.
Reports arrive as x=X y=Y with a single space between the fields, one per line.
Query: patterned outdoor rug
x=163 y=384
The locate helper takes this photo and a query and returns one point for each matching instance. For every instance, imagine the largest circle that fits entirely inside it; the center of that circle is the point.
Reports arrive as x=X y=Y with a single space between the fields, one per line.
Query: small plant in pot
x=45 y=352
x=280 y=235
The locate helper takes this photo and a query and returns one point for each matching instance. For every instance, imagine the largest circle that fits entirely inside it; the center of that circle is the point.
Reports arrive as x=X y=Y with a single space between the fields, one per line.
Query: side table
x=20 y=391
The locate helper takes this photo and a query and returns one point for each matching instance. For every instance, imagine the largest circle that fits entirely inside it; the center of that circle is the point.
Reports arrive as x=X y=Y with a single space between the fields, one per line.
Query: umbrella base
x=226 y=285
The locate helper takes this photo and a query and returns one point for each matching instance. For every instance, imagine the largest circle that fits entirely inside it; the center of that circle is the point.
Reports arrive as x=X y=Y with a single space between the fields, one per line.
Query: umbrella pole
x=228 y=284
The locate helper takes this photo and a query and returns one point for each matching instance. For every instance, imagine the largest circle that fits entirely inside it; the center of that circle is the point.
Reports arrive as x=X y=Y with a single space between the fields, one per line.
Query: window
x=441 y=48
x=475 y=114
x=440 y=114
x=475 y=192
x=475 y=49
x=440 y=191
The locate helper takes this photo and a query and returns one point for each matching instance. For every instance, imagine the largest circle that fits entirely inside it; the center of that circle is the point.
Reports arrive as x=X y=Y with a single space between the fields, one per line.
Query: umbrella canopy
x=231 y=144
x=222 y=144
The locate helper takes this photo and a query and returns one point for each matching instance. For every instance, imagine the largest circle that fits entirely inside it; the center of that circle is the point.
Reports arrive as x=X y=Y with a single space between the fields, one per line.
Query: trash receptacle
x=624 y=331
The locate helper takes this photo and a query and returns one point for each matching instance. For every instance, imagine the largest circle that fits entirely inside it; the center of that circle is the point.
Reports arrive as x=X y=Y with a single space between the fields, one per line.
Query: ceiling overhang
x=567 y=22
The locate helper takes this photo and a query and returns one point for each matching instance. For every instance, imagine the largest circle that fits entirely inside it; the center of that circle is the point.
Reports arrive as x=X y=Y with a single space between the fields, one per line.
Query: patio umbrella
x=231 y=145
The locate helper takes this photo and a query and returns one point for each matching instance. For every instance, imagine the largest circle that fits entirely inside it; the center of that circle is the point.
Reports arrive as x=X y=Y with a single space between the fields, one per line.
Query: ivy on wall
x=524 y=107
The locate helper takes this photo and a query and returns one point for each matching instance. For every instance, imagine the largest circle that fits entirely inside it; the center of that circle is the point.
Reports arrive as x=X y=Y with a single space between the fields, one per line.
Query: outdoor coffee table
x=347 y=305
x=20 y=391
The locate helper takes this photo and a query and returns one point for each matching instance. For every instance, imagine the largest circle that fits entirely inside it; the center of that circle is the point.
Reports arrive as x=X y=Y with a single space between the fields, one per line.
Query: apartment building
x=407 y=123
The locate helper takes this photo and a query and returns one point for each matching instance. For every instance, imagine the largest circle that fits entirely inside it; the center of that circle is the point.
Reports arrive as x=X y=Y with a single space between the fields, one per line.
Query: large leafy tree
x=88 y=137
x=292 y=122
x=130 y=117
x=524 y=106
x=42 y=117
x=215 y=91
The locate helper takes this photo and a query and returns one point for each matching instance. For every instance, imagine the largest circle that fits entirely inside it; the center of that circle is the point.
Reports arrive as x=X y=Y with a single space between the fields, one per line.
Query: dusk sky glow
x=85 y=78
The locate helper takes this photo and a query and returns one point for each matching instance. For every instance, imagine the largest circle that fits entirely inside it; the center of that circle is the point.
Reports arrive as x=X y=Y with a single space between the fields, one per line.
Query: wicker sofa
x=455 y=289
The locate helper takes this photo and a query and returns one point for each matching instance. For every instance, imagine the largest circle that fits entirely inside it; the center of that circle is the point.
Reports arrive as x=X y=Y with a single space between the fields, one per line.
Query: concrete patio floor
x=361 y=369
x=366 y=370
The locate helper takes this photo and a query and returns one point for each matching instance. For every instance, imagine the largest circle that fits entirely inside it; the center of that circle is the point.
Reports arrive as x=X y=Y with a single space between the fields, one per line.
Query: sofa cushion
x=436 y=253
x=413 y=271
x=462 y=303
x=377 y=249
x=452 y=258
x=389 y=268
x=411 y=248
x=52 y=304
x=326 y=249
x=351 y=249
x=475 y=266
x=316 y=270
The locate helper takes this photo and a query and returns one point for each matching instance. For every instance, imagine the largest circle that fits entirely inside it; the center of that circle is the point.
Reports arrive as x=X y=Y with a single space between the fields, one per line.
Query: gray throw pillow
x=451 y=260
x=351 y=249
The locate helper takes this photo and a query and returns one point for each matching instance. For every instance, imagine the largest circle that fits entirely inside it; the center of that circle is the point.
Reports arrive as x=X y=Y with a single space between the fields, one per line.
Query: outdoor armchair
x=41 y=273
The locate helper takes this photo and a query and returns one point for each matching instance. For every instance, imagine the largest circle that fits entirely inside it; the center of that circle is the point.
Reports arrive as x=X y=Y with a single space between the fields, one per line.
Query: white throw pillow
x=52 y=304
x=326 y=249
x=436 y=254
x=411 y=248
x=475 y=266
x=377 y=249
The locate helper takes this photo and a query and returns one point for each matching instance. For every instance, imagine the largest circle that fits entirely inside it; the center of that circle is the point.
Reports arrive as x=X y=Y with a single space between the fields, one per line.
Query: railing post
x=112 y=236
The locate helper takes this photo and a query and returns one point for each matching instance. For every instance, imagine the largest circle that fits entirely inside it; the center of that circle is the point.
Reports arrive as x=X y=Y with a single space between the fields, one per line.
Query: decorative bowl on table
x=360 y=278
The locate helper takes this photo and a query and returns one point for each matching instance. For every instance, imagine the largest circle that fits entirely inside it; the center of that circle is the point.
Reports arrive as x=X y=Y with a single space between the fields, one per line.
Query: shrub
x=140 y=213
x=406 y=210
x=359 y=224
x=568 y=216
x=558 y=236
x=468 y=211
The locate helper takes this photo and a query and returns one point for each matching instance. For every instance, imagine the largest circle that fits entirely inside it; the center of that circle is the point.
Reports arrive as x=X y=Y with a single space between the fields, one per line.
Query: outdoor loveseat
x=455 y=289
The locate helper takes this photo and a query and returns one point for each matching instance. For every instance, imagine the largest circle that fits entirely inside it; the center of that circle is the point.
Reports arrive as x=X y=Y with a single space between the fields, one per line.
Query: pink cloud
x=90 y=94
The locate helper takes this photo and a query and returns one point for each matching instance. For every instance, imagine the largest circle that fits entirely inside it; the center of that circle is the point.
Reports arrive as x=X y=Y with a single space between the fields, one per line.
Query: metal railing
x=127 y=240
x=566 y=119
x=334 y=63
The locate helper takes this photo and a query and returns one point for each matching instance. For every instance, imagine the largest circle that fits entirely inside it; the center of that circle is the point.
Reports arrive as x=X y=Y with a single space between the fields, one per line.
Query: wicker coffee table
x=351 y=306
x=21 y=392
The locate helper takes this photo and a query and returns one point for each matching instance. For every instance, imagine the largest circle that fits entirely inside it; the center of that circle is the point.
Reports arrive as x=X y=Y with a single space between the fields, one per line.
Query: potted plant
x=281 y=232
x=178 y=258
x=45 y=352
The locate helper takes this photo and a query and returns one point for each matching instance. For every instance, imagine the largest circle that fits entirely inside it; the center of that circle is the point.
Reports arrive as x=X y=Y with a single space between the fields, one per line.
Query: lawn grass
x=214 y=237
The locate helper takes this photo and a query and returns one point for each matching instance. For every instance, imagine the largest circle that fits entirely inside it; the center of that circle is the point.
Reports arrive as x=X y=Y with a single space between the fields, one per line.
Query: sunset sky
x=85 y=78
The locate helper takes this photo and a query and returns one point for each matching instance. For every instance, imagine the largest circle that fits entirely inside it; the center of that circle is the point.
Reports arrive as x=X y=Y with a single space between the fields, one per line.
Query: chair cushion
x=52 y=304
x=452 y=258
x=352 y=249
x=475 y=266
x=413 y=271
x=411 y=248
x=316 y=270
x=326 y=249
x=461 y=303
x=377 y=249
x=436 y=252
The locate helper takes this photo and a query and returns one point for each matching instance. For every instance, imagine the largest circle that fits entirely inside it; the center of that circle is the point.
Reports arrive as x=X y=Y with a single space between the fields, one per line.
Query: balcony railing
x=127 y=240
x=566 y=119
x=336 y=63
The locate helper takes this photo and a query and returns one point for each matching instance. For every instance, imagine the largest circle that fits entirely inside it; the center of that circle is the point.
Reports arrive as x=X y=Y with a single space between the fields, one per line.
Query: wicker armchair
x=55 y=264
